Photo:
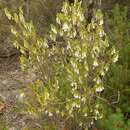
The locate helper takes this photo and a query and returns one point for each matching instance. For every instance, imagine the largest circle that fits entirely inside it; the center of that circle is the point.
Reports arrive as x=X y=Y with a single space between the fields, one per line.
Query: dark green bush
x=117 y=81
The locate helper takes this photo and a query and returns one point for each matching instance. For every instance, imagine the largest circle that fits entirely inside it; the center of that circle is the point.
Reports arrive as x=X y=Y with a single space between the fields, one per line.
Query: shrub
x=70 y=66
x=114 y=120
x=117 y=79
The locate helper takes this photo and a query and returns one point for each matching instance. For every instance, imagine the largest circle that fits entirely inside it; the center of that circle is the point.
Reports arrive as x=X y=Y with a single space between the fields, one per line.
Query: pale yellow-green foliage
x=70 y=70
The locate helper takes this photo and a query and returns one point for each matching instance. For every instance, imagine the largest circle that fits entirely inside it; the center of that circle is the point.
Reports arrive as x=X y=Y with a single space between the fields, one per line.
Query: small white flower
x=98 y=81
x=102 y=73
x=83 y=99
x=115 y=59
x=101 y=33
x=21 y=97
x=68 y=46
x=95 y=63
x=86 y=75
x=93 y=26
x=113 y=51
x=76 y=96
x=96 y=112
x=58 y=20
x=74 y=66
x=80 y=124
x=92 y=123
x=75 y=105
x=81 y=17
x=74 y=84
x=106 y=68
x=54 y=30
x=61 y=32
x=77 y=54
x=77 y=71
x=99 y=89
x=46 y=112
x=101 y=22
x=74 y=33
x=65 y=27
x=57 y=112
x=13 y=31
x=83 y=55
x=50 y=114
x=38 y=59
x=85 y=115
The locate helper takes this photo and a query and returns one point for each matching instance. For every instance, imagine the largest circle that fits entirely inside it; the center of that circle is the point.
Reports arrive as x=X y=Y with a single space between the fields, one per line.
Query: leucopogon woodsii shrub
x=70 y=64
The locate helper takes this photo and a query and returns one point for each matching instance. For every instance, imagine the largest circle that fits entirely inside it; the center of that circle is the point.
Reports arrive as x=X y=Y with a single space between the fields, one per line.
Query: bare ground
x=12 y=81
